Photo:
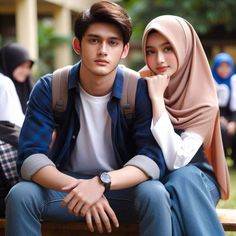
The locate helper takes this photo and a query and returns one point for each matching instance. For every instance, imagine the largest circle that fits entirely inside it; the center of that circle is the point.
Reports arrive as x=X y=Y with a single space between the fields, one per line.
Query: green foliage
x=209 y=18
x=48 y=40
x=231 y=203
x=202 y=14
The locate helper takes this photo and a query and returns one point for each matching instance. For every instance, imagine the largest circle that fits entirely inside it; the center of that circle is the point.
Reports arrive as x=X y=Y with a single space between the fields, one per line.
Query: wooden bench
x=226 y=216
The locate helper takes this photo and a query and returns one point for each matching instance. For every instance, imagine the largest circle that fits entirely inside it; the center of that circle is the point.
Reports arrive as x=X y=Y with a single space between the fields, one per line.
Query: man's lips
x=101 y=62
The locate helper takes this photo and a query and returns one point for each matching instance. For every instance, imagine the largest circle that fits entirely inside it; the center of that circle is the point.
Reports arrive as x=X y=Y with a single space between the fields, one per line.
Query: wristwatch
x=105 y=179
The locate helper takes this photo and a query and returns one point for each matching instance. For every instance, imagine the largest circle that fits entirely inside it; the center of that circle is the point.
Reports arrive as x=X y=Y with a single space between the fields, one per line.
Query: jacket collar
x=118 y=83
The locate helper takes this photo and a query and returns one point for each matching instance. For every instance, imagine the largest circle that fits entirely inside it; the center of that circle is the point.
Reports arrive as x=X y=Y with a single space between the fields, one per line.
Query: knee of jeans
x=20 y=193
x=152 y=192
x=186 y=179
x=183 y=176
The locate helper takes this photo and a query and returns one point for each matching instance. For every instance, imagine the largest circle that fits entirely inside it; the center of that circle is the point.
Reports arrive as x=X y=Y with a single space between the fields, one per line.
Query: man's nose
x=103 y=48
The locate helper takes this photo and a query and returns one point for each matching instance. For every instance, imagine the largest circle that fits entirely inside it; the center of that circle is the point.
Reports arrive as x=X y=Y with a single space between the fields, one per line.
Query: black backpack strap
x=129 y=92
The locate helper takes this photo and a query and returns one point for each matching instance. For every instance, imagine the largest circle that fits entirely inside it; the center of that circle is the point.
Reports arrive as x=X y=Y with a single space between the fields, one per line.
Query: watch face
x=105 y=178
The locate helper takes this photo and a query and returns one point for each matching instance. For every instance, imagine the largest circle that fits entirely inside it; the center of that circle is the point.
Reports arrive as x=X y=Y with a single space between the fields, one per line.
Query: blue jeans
x=183 y=204
x=194 y=196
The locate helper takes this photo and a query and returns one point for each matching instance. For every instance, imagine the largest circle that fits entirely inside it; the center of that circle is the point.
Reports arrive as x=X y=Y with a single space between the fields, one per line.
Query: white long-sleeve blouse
x=178 y=150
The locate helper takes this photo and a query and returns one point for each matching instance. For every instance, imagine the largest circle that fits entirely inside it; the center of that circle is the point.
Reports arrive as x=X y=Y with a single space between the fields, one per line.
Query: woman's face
x=224 y=70
x=22 y=71
x=160 y=55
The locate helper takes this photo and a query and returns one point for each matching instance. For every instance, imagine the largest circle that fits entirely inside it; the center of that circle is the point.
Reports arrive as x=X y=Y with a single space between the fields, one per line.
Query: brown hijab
x=191 y=98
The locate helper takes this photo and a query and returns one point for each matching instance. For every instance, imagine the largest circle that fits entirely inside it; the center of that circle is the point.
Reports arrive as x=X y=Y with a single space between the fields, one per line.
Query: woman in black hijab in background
x=16 y=63
x=15 y=69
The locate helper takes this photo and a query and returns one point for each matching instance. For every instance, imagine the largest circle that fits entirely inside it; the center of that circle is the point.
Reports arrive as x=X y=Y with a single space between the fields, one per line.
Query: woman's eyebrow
x=161 y=45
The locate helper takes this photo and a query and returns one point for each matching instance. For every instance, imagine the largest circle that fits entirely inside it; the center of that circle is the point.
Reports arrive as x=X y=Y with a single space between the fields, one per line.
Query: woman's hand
x=102 y=215
x=157 y=85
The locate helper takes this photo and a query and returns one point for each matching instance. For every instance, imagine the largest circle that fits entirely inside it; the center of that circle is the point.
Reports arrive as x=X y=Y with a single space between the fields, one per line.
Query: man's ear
x=76 y=45
x=125 y=51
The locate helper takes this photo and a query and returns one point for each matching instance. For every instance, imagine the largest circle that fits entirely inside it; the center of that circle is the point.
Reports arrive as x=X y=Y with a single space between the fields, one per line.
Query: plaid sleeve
x=36 y=132
x=8 y=157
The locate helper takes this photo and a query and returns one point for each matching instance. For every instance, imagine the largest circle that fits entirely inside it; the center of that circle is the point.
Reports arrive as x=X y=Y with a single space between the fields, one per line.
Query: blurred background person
x=223 y=70
x=15 y=87
x=16 y=64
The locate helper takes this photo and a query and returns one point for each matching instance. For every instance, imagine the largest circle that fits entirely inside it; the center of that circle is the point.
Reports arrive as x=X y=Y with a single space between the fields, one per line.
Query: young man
x=96 y=151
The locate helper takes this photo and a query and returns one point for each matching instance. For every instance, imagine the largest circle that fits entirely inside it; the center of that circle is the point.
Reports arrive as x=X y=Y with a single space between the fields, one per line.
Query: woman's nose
x=160 y=57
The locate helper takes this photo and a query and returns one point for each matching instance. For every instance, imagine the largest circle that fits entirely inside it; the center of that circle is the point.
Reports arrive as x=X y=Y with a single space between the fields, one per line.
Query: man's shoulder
x=128 y=71
x=42 y=90
x=43 y=81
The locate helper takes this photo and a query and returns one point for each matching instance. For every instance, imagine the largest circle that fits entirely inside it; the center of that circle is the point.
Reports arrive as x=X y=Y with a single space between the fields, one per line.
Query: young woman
x=224 y=74
x=15 y=86
x=185 y=124
x=16 y=64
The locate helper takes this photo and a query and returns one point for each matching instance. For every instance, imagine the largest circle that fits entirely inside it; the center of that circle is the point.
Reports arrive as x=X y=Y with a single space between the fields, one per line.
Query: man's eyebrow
x=93 y=35
x=98 y=36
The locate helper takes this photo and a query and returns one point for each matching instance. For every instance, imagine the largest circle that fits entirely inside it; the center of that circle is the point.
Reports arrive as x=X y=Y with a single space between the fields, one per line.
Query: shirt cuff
x=34 y=163
x=147 y=165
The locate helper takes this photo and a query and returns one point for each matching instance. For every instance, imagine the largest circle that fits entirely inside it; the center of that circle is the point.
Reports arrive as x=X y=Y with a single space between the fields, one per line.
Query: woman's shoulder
x=233 y=83
x=4 y=79
x=6 y=83
x=233 y=78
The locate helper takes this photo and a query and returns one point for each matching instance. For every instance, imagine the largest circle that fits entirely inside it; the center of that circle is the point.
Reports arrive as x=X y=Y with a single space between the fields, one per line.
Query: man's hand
x=102 y=215
x=82 y=195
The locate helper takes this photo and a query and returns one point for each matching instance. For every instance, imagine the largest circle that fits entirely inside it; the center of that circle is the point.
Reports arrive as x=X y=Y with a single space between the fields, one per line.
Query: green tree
x=214 y=20
x=203 y=14
x=48 y=40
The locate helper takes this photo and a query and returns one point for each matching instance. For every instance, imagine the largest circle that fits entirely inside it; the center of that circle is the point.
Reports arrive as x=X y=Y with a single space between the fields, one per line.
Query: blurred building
x=19 y=19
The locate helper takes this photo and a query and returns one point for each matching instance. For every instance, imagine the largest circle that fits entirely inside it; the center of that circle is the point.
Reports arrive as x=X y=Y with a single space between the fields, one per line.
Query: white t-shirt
x=93 y=152
x=178 y=150
x=10 y=107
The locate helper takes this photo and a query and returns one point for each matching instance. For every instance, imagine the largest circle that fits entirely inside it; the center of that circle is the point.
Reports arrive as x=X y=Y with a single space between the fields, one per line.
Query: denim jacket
x=133 y=144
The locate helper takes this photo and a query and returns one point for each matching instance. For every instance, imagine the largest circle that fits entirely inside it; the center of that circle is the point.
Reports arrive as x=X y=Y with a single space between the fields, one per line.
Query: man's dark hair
x=104 y=12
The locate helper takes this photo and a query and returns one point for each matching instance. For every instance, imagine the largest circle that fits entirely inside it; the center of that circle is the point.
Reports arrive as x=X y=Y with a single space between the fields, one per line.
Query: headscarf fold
x=191 y=97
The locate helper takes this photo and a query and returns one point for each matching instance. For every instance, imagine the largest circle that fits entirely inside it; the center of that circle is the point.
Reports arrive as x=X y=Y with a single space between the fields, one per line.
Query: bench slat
x=227 y=218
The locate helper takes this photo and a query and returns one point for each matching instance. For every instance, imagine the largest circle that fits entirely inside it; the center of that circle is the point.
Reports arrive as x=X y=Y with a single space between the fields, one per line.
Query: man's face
x=102 y=48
